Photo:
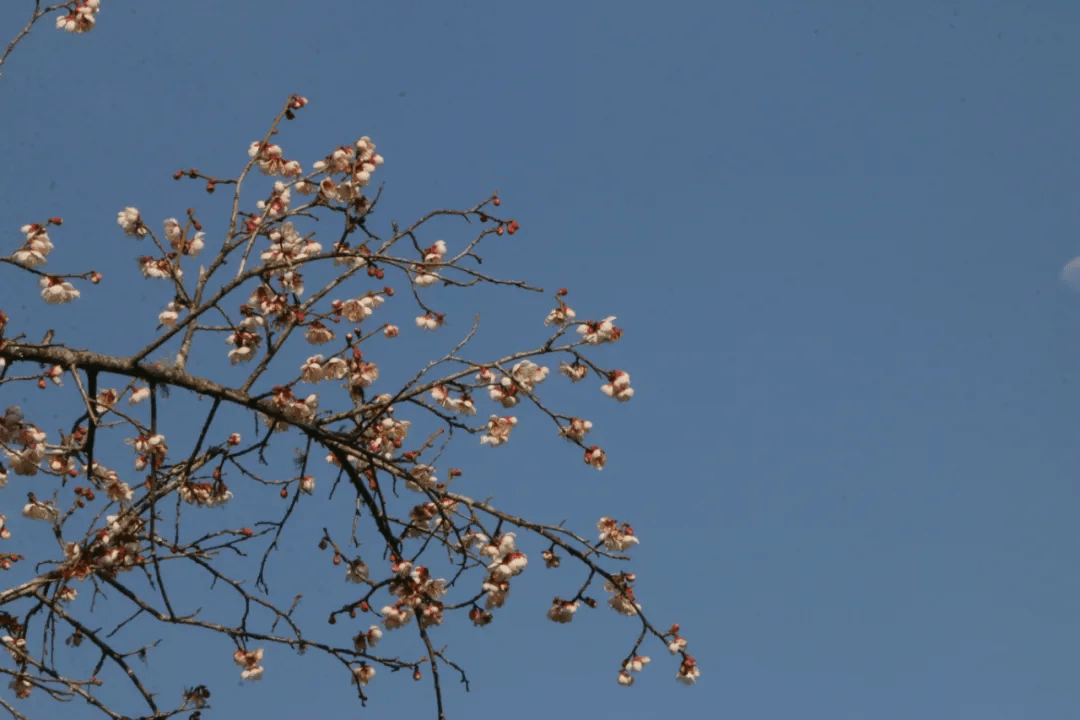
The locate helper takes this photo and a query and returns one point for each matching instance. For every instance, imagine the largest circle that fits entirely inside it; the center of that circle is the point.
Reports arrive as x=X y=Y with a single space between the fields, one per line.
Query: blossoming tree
x=238 y=290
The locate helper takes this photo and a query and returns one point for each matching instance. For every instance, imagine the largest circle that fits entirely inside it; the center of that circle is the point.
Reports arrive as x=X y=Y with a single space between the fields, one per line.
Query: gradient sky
x=832 y=232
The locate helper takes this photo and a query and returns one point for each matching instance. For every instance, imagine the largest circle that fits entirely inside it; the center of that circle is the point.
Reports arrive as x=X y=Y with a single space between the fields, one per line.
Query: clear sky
x=832 y=232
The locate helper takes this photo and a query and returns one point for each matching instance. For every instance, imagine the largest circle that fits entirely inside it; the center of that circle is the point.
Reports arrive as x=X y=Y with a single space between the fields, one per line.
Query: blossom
x=138 y=395
x=688 y=672
x=278 y=204
x=44 y=511
x=395 y=617
x=498 y=430
x=56 y=290
x=619 y=386
x=362 y=675
x=428 y=322
x=677 y=645
x=130 y=220
x=562 y=611
x=369 y=639
x=528 y=374
x=636 y=663
x=245 y=343
x=357 y=572
x=391 y=331
x=79 y=20
x=36 y=248
x=312 y=371
x=560 y=315
x=596 y=457
x=614 y=537
x=307 y=484
x=594 y=333
x=575 y=372
x=318 y=334
x=505 y=392
x=625 y=678
x=576 y=430
x=169 y=316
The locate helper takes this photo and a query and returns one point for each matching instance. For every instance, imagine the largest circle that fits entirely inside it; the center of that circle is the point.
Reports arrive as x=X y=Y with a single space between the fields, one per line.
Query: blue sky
x=832 y=232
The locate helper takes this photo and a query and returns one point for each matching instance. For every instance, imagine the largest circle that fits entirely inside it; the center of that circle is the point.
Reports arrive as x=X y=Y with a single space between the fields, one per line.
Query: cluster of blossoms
x=149 y=449
x=359 y=309
x=498 y=430
x=561 y=315
x=250 y=661
x=113 y=549
x=132 y=223
x=36 y=247
x=418 y=594
x=13 y=431
x=179 y=241
x=595 y=333
x=245 y=345
x=462 y=405
x=506 y=562
x=575 y=371
x=633 y=665
x=432 y=256
x=430 y=518
x=524 y=375
x=292 y=407
x=271 y=162
x=287 y=247
x=595 y=457
x=109 y=480
x=81 y=18
x=622 y=598
x=618 y=386
x=615 y=537
x=205 y=494
x=576 y=430
x=315 y=369
x=159 y=268
x=359 y=161
x=278 y=204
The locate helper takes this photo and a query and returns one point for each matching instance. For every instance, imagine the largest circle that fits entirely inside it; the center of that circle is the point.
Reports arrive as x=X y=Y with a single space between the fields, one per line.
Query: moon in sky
x=1070 y=274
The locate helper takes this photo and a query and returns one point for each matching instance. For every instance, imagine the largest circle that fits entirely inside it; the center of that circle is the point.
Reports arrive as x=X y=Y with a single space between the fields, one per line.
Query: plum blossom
x=250 y=661
x=5 y=534
x=271 y=161
x=357 y=309
x=498 y=430
x=463 y=405
x=562 y=611
x=130 y=220
x=278 y=204
x=528 y=374
x=246 y=343
x=636 y=663
x=504 y=393
x=362 y=675
x=594 y=333
x=596 y=457
x=575 y=372
x=560 y=315
x=421 y=478
x=56 y=290
x=619 y=386
x=36 y=248
x=615 y=537
x=38 y=510
x=427 y=321
x=576 y=430
x=391 y=331
x=169 y=316
x=318 y=334
x=138 y=395
x=625 y=678
x=395 y=617
x=357 y=572
x=81 y=18
x=677 y=645
x=688 y=671
x=363 y=641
